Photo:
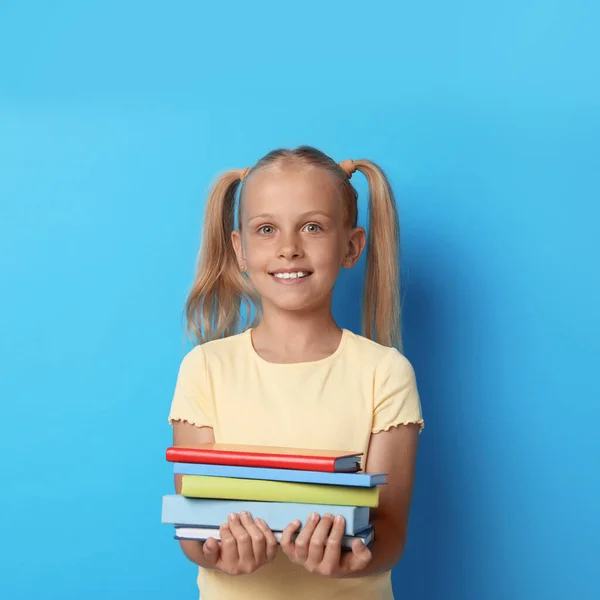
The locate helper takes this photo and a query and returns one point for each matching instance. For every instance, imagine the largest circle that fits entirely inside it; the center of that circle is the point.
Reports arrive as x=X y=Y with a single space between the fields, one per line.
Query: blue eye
x=265 y=230
x=313 y=228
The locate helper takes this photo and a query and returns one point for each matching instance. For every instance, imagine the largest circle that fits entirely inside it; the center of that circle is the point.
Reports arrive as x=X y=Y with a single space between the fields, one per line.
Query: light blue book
x=200 y=512
x=346 y=479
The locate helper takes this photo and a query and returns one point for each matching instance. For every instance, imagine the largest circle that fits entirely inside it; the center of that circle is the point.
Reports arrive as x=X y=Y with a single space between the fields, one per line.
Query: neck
x=285 y=329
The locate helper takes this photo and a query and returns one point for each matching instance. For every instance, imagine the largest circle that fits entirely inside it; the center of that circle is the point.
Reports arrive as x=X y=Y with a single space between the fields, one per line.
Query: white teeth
x=297 y=275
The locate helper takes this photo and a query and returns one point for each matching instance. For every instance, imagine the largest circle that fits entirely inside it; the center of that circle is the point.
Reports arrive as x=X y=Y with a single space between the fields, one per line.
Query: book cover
x=347 y=479
x=227 y=488
x=266 y=456
x=179 y=510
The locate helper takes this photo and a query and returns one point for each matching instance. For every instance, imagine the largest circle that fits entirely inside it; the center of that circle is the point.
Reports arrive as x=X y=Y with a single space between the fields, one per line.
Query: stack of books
x=278 y=485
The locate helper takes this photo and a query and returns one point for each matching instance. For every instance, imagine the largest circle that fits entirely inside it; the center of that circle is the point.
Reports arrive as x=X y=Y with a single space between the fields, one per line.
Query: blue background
x=115 y=118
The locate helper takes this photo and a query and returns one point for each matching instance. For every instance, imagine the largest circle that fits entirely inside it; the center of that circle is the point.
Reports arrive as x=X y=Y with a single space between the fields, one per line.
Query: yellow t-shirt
x=334 y=403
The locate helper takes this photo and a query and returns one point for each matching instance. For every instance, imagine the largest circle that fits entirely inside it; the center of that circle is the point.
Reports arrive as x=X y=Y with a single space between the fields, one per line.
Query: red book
x=330 y=461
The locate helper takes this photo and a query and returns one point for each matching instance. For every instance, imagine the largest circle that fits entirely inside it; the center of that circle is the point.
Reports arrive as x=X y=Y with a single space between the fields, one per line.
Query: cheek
x=256 y=253
x=327 y=255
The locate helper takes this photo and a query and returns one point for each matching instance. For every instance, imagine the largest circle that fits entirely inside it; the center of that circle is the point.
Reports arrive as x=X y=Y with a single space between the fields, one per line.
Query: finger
x=316 y=547
x=358 y=559
x=303 y=540
x=229 y=554
x=287 y=545
x=211 y=548
x=257 y=537
x=333 y=548
x=242 y=538
x=270 y=539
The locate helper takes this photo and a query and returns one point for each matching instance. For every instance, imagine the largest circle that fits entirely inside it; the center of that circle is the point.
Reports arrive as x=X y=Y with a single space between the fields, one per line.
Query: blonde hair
x=213 y=306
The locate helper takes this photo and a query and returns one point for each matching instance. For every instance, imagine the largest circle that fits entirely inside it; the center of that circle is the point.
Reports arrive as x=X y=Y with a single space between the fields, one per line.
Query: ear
x=357 y=241
x=236 y=240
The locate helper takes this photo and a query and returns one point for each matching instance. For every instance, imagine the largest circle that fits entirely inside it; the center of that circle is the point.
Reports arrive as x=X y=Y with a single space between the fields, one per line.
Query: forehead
x=290 y=190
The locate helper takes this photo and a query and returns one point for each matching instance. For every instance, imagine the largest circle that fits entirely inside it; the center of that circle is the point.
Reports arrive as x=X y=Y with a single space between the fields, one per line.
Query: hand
x=318 y=547
x=245 y=546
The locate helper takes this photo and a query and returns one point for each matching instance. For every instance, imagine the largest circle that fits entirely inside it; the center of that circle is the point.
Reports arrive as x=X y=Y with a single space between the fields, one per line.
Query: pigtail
x=381 y=300
x=213 y=306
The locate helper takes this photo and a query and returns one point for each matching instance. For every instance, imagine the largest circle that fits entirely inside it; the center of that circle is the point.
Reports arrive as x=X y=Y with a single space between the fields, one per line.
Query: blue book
x=200 y=512
x=345 y=479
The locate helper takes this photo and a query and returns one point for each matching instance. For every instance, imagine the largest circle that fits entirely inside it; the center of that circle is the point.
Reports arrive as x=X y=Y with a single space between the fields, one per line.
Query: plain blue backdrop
x=115 y=117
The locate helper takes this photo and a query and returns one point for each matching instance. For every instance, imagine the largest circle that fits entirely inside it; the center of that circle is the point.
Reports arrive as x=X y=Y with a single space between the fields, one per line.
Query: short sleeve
x=191 y=401
x=396 y=397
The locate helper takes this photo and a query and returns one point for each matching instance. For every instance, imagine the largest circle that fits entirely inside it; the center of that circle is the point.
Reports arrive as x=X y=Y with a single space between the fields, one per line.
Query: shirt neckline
x=320 y=361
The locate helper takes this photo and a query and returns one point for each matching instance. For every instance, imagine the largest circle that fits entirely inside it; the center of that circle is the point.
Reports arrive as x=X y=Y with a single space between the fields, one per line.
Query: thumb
x=360 y=557
x=211 y=550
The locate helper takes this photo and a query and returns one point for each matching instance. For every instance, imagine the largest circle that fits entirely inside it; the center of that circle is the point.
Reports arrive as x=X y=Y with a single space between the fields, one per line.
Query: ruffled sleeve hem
x=419 y=422
x=173 y=418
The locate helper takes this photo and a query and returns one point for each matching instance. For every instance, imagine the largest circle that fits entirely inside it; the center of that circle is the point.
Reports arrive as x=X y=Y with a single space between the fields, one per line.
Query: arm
x=246 y=544
x=185 y=434
x=318 y=545
x=393 y=452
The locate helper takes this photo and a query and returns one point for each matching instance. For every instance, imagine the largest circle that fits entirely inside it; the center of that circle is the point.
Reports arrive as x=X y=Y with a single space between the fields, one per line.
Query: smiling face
x=294 y=236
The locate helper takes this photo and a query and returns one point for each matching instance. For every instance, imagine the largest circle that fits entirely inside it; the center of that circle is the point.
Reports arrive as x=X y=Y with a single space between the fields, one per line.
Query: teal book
x=199 y=512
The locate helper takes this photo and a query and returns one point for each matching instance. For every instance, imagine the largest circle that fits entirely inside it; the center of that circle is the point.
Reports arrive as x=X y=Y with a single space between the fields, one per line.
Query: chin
x=291 y=298
x=288 y=304
x=296 y=304
x=295 y=307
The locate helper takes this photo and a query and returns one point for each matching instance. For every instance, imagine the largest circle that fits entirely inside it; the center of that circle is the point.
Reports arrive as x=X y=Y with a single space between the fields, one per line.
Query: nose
x=290 y=247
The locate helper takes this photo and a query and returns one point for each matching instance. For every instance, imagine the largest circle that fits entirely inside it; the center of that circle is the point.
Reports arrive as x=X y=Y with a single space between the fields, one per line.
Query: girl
x=291 y=377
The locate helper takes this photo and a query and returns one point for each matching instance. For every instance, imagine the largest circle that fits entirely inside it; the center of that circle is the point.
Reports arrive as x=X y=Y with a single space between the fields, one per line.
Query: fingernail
x=327 y=516
x=245 y=513
x=314 y=517
x=297 y=523
x=232 y=516
x=338 y=518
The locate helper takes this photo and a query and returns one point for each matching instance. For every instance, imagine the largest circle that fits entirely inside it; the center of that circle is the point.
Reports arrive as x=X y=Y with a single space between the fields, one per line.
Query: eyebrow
x=306 y=215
